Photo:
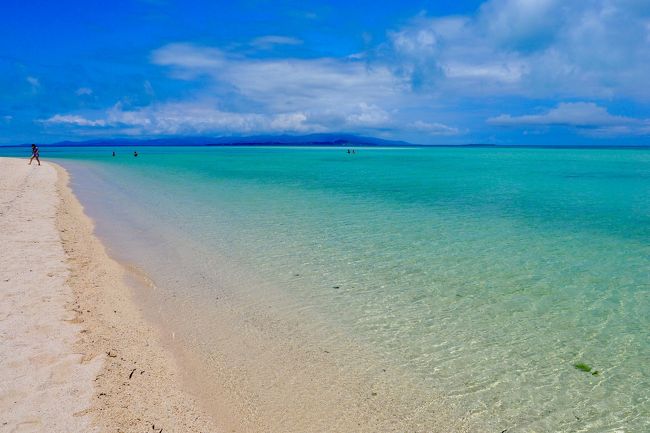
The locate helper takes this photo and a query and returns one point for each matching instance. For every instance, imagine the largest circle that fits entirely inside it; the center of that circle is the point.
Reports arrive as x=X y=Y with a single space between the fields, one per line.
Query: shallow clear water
x=485 y=273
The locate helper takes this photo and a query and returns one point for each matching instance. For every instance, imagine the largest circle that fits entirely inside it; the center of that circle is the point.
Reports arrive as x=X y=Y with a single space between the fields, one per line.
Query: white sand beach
x=76 y=354
x=45 y=383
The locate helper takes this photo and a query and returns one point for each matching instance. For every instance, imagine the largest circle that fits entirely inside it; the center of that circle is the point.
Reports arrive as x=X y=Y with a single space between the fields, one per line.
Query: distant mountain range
x=329 y=140
x=340 y=140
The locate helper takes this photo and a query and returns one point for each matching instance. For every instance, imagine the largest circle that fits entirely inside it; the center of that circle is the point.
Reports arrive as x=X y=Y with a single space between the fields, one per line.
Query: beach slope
x=76 y=354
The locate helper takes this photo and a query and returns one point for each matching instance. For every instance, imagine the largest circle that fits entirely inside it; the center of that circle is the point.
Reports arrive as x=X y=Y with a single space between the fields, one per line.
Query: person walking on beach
x=34 y=155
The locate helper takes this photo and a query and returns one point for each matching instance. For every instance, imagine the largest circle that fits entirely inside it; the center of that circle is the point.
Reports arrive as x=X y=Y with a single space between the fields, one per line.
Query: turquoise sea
x=487 y=275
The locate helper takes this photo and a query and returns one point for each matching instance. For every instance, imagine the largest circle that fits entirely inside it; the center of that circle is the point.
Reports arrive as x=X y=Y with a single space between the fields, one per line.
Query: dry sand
x=76 y=353
x=45 y=383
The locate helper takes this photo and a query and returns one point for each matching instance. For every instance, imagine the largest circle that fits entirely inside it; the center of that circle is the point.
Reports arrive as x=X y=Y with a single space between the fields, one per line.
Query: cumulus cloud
x=368 y=115
x=582 y=115
x=198 y=117
x=521 y=25
x=72 y=119
x=292 y=83
x=508 y=72
x=434 y=128
x=330 y=92
x=191 y=58
x=507 y=51
x=201 y=117
x=187 y=118
x=548 y=48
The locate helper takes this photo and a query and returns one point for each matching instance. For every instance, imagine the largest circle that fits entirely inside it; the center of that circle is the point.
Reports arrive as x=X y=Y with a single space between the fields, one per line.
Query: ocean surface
x=514 y=283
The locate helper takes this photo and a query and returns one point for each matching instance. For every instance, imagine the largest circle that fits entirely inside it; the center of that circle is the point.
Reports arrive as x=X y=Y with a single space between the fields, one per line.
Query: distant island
x=309 y=140
x=335 y=140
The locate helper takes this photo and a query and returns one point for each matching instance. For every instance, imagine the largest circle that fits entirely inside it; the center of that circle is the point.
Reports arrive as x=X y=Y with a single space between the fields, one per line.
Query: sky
x=430 y=72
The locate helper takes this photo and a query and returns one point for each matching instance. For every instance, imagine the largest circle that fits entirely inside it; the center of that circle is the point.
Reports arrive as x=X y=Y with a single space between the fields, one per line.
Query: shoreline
x=254 y=367
x=272 y=379
x=77 y=354
x=138 y=386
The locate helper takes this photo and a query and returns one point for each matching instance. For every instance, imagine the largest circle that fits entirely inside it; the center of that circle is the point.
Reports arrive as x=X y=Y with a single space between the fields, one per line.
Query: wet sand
x=77 y=354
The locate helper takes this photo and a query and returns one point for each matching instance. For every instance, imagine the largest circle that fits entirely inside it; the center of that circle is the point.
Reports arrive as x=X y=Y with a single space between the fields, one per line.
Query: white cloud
x=584 y=114
x=71 y=119
x=188 y=118
x=434 y=128
x=368 y=115
x=81 y=91
x=285 y=84
x=538 y=48
x=509 y=72
x=591 y=117
x=328 y=91
x=270 y=41
x=188 y=56
x=507 y=51
x=518 y=24
x=248 y=96
x=291 y=122
x=204 y=117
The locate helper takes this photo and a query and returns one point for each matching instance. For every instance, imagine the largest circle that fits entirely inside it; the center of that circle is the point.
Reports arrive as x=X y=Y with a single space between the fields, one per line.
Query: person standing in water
x=135 y=153
x=35 y=155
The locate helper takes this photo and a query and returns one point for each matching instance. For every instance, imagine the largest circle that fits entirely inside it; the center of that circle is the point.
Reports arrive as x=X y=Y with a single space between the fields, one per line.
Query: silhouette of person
x=35 y=155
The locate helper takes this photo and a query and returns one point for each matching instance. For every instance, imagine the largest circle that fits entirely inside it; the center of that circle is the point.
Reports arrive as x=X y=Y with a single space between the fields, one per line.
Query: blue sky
x=498 y=71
